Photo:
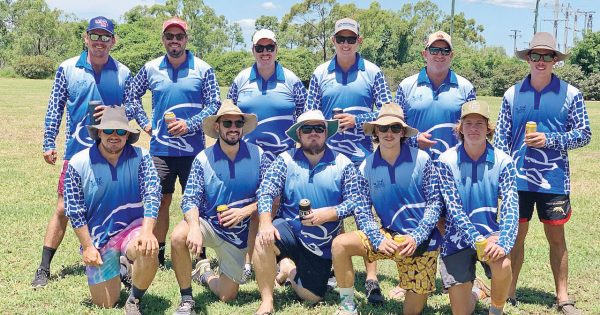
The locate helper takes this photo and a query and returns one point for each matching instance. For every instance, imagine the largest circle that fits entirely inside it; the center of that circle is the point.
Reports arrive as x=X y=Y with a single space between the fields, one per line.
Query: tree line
x=35 y=38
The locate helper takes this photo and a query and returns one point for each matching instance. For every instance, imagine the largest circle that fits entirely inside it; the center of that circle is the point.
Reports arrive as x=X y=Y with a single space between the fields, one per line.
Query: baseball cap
x=175 y=21
x=263 y=33
x=475 y=107
x=101 y=23
x=346 y=24
x=439 y=35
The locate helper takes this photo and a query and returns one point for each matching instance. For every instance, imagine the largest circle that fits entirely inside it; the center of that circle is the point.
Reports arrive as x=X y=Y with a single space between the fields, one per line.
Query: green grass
x=28 y=189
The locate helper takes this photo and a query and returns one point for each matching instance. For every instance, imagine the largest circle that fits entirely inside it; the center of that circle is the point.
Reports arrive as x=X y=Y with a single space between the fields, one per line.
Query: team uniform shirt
x=106 y=198
x=216 y=180
x=434 y=110
x=276 y=102
x=333 y=182
x=560 y=113
x=404 y=195
x=355 y=91
x=75 y=85
x=191 y=92
x=472 y=191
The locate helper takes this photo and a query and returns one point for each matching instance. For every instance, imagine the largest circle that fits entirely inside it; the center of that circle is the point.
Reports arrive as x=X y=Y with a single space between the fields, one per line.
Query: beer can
x=531 y=126
x=399 y=238
x=336 y=111
x=92 y=109
x=305 y=208
x=169 y=117
x=221 y=208
x=480 y=244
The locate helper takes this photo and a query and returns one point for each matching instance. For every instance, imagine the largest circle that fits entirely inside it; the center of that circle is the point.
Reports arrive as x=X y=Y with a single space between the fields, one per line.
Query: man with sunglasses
x=92 y=76
x=185 y=86
x=329 y=181
x=354 y=85
x=112 y=196
x=543 y=179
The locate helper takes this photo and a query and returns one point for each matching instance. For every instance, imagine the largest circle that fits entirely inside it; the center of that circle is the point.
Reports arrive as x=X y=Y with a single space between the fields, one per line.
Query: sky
x=498 y=17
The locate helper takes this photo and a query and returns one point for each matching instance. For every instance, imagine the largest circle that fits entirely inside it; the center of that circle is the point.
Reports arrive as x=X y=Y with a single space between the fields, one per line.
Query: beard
x=231 y=142
x=174 y=53
x=313 y=148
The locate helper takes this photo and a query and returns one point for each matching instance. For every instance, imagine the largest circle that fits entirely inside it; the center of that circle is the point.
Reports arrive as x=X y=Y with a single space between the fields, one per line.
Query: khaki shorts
x=231 y=258
x=416 y=274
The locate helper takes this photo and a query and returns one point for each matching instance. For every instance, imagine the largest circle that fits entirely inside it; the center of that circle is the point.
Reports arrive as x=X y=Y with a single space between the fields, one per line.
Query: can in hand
x=220 y=209
x=336 y=111
x=169 y=117
x=530 y=127
x=305 y=208
x=92 y=110
x=480 y=244
x=399 y=238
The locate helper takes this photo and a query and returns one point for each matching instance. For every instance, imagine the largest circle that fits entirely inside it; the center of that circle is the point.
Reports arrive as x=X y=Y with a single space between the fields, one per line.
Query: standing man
x=355 y=85
x=227 y=173
x=111 y=197
x=330 y=182
x=187 y=87
x=541 y=158
x=473 y=177
x=92 y=76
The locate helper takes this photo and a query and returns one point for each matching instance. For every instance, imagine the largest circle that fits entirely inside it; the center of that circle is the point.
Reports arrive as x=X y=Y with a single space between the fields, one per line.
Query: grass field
x=28 y=187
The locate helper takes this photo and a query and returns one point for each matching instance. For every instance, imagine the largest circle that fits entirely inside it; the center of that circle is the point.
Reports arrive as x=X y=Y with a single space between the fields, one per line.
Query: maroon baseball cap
x=175 y=21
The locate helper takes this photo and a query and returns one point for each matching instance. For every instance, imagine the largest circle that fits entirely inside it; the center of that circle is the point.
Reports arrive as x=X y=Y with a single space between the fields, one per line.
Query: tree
x=235 y=35
x=268 y=22
x=466 y=29
x=586 y=53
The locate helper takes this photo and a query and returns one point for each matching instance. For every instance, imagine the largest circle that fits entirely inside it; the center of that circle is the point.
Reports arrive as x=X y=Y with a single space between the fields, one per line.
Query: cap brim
x=332 y=128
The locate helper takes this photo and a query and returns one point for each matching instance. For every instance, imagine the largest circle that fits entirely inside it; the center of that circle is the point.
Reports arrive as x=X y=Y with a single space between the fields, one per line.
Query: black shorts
x=459 y=268
x=552 y=209
x=312 y=271
x=171 y=167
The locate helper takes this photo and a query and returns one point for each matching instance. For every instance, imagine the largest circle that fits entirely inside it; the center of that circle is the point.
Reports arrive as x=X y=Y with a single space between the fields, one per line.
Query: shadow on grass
x=151 y=304
x=535 y=296
x=71 y=270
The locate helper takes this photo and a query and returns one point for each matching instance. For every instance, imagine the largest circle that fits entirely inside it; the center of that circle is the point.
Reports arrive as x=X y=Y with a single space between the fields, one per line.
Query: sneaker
x=202 y=271
x=125 y=272
x=186 y=306
x=332 y=282
x=132 y=306
x=347 y=307
x=512 y=302
x=568 y=308
x=41 y=278
x=373 y=292
x=247 y=275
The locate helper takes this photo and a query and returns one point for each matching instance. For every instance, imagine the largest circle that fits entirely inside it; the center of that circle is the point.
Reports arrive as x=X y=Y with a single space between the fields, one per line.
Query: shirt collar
x=96 y=157
x=487 y=156
x=359 y=64
x=278 y=75
x=554 y=85
x=405 y=156
x=328 y=156
x=189 y=61
x=241 y=154
x=424 y=79
x=83 y=63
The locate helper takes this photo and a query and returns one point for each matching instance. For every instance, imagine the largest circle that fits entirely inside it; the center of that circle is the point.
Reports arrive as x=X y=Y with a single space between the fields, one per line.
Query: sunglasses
x=396 y=128
x=307 y=129
x=351 y=40
x=546 y=57
x=229 y=123
x=260 y=48
x=120 y=132
x=436 y=50
x=97 y=37
x=170 y=36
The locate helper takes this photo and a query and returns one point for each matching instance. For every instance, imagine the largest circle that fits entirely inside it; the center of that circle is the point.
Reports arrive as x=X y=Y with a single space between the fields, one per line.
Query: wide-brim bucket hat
x=228 y=108
x=114 y=118
x=389 y=114
x=312 y=115
x=541 y=40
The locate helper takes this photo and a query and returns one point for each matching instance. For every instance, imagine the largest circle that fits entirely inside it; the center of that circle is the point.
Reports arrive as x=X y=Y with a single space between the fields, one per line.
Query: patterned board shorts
x=416 y=274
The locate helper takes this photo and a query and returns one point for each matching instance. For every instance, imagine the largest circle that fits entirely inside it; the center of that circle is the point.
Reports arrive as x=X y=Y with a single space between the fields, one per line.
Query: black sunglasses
x=535 y=57
x=229 y=123
x=307 y=129
x=436 y=50
x=396 y=128
x=170 y=36
x=120 y=132
x=351 y=40
x=260 y=48
x=97 y=37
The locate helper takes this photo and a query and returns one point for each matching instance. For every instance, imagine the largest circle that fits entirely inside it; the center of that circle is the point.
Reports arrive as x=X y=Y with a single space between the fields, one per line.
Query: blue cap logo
x=101 y=23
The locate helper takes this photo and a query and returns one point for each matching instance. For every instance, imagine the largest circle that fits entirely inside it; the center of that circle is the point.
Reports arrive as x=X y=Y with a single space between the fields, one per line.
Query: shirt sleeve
x=194 y=194
x=509 y=208
x=382 y=95
x=75 y=208
x=300 y=96
x=56 y=108
x=212 y=96
x=271 y=185
x=433 y=206
x=135 y=89
x=579 y=133
x=233 y=93
x=150 y=188
x=363 y=215
x=313 y=99
x=503 y=132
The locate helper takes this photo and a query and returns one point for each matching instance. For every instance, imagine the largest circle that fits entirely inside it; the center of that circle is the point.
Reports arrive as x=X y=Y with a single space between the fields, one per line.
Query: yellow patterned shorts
x=416 y=274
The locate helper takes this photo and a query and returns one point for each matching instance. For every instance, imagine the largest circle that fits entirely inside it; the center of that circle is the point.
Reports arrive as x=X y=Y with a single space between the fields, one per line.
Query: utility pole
x=567 y=12
x=535 y=23
x=556 y=20
x=452 y=19
x=514 y=36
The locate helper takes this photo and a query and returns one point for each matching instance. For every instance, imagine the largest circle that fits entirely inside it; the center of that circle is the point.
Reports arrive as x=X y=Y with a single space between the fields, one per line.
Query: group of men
x=289 y=165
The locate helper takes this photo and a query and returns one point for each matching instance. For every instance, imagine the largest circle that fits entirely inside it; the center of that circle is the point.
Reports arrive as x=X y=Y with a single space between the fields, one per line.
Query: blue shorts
x=312 y=271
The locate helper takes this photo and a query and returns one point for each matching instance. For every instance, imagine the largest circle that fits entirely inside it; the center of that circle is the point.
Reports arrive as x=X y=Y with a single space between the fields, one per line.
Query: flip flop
x=397 y=293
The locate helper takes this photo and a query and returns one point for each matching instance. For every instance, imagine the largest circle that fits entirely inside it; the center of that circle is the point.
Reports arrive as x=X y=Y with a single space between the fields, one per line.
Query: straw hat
x=114 y=118
x=542 y=40
x=389 y=114
x=228 y=108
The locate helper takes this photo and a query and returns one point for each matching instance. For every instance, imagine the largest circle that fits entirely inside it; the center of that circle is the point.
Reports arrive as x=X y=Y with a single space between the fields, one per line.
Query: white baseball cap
x=263 y=33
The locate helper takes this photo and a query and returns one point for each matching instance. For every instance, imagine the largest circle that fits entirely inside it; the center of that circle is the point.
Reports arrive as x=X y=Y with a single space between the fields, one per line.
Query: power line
x=514 y=36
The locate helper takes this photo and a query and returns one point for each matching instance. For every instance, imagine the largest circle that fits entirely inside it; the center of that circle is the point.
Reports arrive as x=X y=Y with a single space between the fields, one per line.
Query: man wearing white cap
x=326 y=183
x=561 y=123
x=182 y=85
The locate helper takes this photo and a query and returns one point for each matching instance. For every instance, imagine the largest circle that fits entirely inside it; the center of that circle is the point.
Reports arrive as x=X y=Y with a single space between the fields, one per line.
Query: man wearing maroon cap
x=185 y=86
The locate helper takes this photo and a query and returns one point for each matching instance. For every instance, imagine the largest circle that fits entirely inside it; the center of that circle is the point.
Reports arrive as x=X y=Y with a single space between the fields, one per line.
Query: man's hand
x=408 y=247
x=233 y=217
x=267 y=233
x=492 y=250
x=146 y=244
x=535 y=139
x=346 y=121
x=388 y=247
x=91 y=257
x=148 y=130
x=194 y=240
x=99 y=111
x=424 y=142
x=177 y=128
x=320 y=216
x=50 y=156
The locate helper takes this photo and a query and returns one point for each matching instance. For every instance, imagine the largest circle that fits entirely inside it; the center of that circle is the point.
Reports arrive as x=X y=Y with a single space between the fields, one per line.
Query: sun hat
x=390 y=113
x=114 y=118
x=312 y=115
x=541 y=40
x=228 y=108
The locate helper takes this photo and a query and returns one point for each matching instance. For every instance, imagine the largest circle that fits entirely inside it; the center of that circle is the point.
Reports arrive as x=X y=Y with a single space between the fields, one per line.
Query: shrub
x=591 y=87
x=35 y=67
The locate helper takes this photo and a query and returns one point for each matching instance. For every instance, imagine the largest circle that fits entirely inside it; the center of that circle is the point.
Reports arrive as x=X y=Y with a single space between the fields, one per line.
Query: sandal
x=568 y=308
x=397 y=293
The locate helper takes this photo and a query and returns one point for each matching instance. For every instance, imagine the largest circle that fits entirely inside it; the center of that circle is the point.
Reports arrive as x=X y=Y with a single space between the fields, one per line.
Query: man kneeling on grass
x=402 y=189
x=112 y=196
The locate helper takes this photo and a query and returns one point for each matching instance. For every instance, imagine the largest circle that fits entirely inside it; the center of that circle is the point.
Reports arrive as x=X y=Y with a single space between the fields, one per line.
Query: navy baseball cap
x=101 y=23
